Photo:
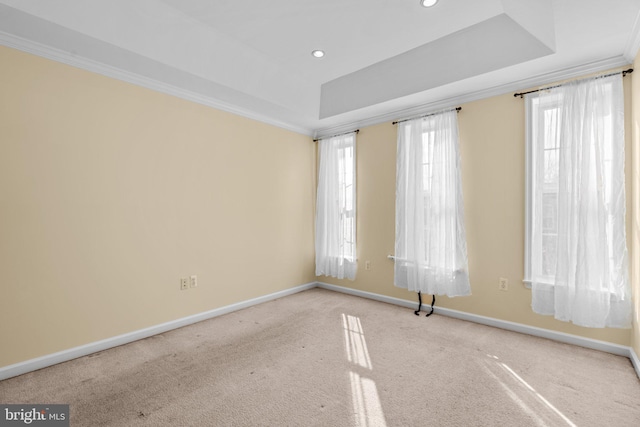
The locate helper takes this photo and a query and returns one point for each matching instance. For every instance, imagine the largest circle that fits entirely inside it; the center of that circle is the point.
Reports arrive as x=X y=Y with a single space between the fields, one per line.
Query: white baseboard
x=619 y=350
x=634 y=360
x=73 y=353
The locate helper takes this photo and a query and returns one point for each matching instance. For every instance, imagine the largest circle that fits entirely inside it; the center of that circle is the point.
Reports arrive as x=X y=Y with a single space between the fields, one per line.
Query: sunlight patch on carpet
x=529 y=390
x=367 y=408
x=366 y=402
x=354 y=342
x=538 y=395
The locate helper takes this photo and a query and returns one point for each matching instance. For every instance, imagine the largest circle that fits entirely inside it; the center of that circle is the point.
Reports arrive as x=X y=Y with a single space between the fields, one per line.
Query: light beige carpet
x=320 y=358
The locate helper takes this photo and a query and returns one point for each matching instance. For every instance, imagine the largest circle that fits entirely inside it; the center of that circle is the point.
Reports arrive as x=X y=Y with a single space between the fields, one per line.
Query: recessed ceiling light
x=428 y=3
x=318 y=53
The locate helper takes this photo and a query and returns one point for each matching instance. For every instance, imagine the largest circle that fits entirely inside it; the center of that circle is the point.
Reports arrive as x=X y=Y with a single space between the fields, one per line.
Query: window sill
x=527 y=283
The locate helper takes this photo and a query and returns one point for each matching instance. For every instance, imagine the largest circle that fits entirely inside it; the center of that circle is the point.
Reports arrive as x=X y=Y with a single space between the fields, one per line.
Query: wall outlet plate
x=193 y=281
x=503 y=284
x=184 y=283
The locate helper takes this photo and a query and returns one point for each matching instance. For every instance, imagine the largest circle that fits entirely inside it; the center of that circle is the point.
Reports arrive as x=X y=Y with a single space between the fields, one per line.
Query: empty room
x=323 y=213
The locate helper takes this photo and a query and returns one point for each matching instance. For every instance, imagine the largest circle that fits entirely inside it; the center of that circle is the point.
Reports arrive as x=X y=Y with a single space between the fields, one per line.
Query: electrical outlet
x=184 y=283
x=367 y=265
x=503 y=284
x=193 y=281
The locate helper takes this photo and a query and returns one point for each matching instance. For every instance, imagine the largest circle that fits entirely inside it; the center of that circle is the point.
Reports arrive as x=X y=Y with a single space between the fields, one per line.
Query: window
x=575 y=245
x=430 y=251
x=336 y=208
x=346 y=156
x=437 y=209
x=543 y=120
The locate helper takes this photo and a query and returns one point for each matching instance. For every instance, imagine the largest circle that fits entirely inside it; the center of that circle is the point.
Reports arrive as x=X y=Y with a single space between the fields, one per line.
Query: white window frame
x=528 y=194
x=338 y=256
x=345 y=212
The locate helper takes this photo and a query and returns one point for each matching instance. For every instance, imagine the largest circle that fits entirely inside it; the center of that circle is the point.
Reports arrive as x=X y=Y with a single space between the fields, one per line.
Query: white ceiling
x=384 y=58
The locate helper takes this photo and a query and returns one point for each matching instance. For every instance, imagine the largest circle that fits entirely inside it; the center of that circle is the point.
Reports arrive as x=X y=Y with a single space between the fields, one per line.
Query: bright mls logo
x=34 y=415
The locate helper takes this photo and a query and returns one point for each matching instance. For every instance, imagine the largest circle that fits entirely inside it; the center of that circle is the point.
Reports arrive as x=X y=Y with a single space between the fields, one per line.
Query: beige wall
x=492 y=149
x=109 y=193
x=635 y=211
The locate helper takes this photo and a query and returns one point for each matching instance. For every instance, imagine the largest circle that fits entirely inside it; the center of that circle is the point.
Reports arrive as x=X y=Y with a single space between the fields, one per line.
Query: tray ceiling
x=384 y=58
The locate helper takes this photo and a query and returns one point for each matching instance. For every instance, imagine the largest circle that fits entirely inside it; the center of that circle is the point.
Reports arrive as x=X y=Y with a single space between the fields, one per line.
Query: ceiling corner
x=633 y=43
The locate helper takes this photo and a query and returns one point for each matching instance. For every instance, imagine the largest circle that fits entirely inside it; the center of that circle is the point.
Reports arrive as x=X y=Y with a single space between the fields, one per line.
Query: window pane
x=549 y=213
x=427 y=147
x=551 y=168
x=348 y=198
x=550 y=128
x=549 y=254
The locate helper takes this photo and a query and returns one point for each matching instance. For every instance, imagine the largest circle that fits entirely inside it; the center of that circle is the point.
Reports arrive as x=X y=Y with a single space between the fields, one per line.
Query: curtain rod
x=426 y=115
x=624 y=73
x=339 y=134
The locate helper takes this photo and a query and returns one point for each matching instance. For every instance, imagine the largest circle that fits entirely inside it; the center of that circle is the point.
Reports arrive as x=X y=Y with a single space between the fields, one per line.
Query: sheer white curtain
x=431 y=248
x=336 y=208
x=579 y=263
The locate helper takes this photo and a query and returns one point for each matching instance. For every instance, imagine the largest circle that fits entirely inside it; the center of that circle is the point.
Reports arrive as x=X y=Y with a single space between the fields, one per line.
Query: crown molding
x=64 y=57
x=48 y=52
x=515 y=86
x=633 y=44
